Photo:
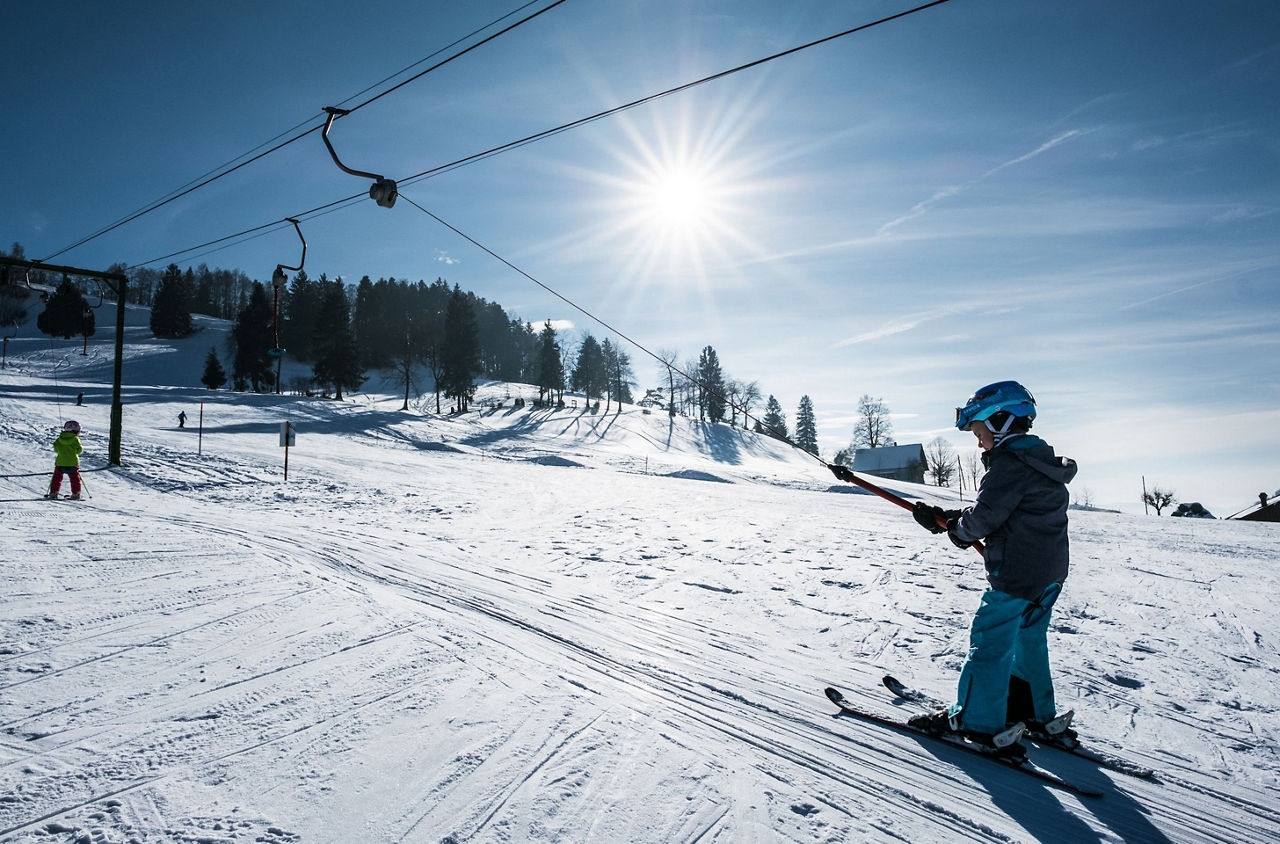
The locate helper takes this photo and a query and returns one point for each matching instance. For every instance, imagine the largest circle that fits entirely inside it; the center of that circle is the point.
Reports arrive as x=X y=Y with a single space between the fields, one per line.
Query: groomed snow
x=532 y=625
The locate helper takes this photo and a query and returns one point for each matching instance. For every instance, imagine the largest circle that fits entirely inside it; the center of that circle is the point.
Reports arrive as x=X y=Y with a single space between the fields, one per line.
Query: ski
x=1106 y=760
x=1024 y=765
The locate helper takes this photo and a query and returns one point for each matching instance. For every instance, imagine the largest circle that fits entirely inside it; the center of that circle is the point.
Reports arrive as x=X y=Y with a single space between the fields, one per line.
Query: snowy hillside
x=525 y=625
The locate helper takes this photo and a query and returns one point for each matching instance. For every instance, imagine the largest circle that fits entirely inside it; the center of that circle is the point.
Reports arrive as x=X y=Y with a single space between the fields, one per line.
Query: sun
x=678 y=198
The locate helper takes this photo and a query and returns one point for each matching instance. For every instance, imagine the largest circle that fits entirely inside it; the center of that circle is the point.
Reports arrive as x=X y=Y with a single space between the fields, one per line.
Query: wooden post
x=200 y=435
x=117 y=405
x=286 y=450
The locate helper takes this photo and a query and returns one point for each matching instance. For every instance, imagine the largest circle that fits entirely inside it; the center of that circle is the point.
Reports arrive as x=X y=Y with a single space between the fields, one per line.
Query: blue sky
x=1081 y=196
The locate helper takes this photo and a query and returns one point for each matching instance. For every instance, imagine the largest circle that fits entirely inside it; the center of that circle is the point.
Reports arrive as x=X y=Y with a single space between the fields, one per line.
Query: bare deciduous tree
x=733 y=392
x=942 y=461
x=873 y=427
x=669 y=358
x=971 y=464
x=1159 y=498
x=748 y=398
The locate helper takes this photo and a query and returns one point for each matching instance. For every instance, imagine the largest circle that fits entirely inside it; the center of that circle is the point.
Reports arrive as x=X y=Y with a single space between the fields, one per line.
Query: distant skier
x=66 y=449
x=1021 y=513
x=182 y=419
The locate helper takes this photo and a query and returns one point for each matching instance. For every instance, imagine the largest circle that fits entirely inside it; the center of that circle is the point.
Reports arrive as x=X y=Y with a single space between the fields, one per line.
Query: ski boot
x=937 y=723
x=1005 y=744
x=75 y=496
x=1056 y=731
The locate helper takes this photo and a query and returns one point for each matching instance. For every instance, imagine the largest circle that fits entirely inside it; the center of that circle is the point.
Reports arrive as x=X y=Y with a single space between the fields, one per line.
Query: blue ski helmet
x=1008 y=396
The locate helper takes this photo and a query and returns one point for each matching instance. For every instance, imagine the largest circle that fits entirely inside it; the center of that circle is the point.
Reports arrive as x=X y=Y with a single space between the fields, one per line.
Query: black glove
x=930 y=517
x=841 y=472
x=951 y=534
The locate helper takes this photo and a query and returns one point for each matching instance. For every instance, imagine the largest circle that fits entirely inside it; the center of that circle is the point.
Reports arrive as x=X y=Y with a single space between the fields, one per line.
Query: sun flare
x=678 y=198
x=679 y=202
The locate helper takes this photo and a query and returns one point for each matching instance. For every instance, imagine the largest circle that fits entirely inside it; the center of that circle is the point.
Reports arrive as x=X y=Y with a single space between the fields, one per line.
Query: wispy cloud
x=904 y=323
x=1179 y=291
x=922 y=208
x=445 y=258
x=1243 y=63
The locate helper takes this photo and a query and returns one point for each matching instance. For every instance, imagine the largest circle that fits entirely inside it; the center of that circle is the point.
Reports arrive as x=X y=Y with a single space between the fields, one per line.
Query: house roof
x=887 y=458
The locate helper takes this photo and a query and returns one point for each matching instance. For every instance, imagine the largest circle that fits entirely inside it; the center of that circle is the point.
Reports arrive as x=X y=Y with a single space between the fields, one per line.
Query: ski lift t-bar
x=896 y=499
x=278 y=278
x=382 y=191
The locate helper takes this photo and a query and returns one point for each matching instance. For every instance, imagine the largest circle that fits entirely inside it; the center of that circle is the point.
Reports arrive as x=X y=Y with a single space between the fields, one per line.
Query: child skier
x=1021 y=513
x=67 y=449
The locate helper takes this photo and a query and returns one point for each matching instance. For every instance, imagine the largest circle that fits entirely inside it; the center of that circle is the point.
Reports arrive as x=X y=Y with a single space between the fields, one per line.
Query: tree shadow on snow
x=721 y=444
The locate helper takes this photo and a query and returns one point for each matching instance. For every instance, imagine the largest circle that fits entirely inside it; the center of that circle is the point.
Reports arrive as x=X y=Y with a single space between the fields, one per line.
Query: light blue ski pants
x=1009 y=636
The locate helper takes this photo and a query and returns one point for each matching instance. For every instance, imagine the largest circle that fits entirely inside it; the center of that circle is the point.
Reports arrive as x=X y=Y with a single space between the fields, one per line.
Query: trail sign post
x=288 y=437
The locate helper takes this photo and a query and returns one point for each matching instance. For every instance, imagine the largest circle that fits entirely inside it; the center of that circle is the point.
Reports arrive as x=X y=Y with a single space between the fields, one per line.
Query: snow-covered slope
x=525 y=625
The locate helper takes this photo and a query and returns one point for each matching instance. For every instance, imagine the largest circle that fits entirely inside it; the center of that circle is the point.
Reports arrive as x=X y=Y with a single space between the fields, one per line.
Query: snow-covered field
x=525 y=625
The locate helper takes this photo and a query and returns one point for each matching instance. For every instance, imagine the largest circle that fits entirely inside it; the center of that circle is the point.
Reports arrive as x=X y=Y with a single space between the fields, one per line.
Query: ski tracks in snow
x=594 y=662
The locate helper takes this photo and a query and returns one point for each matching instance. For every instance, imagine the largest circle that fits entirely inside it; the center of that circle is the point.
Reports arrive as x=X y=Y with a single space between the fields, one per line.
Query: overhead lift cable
x=387 y=190
x=564 y=127
x=321 y=114
x=781 y=435
x=225 y=172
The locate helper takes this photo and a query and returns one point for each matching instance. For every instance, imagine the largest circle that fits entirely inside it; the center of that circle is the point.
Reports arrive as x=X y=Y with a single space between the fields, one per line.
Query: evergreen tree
x=589 y=372
x=623 y=377
x=202 y=300
x=806 y=426
x=550 y=371
x=372 y=322
x=609 y=355
x=711 y=385
x=171 y=308
x=190 y=287
x=337 y=360
x=253 y=340
x=460 y=355
x=297 y=315
x=774 y=422
x=214 y=376
x=64 y=313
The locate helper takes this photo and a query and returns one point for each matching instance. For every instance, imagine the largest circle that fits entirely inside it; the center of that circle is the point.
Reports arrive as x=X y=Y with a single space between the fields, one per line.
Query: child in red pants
x=67 y=449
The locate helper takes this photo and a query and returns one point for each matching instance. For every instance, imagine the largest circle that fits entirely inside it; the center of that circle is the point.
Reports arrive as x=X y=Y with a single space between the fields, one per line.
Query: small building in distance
x=1265 y=511
x=894 y=462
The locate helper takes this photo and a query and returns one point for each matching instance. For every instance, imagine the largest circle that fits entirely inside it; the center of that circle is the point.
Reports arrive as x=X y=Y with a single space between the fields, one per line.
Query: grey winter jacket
x=1021 y=515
